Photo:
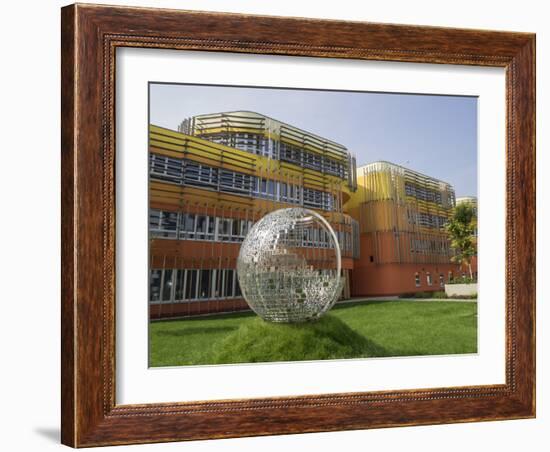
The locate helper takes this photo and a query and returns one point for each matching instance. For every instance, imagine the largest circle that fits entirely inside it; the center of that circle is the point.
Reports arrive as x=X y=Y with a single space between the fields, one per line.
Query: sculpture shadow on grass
x=328 y=338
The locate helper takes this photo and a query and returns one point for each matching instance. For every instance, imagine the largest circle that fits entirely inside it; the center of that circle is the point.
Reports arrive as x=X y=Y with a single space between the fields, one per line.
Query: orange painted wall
x=395 y=279
x=388 y=247
x=167 y=310
x=385 y=275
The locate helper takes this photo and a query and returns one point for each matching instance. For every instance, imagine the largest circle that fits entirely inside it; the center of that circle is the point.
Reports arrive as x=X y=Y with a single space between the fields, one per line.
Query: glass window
x=180 y=280
x=429 y=279
x=255 y=185
x=163 y=224
x=244 y=228
x=202 y=221
x=165 y=168
x=236 y=229
x=224 y=229
x=329 y=201
x=238 y=292
x=232 y=181
x=441 y=280
x=290 y=194
x=187 y=227
x=282 y=188
x=289 y=153
x=211 y=226
x=174 y=168
x=217 y=276
x=205 y=287
x=200 y=175
x=298 y=194
x=313 y=198
x=154 y=287
x=167 y=285
x=191 y=284
x=228 y=289
x=422 y=193
x=154 y=220
x=169 y=224
x=322 y=238
x=271 y=188
x=333 y=167
x=417 y=280
x=315 y=232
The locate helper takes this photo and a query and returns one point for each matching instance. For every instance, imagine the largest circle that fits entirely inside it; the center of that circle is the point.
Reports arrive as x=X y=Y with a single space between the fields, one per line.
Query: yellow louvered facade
x=255 y=123
x=176 y=197
x=403 y=213
x=178 y=145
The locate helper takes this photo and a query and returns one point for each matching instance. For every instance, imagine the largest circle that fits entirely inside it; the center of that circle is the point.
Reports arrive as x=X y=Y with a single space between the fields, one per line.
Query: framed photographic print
x=281 y=225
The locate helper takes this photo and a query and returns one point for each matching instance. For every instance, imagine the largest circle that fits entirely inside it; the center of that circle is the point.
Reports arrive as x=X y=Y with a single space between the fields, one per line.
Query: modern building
x=404 y=247
x=219 y=173
x=467 y=200
x=471 y=200
x=212 y=179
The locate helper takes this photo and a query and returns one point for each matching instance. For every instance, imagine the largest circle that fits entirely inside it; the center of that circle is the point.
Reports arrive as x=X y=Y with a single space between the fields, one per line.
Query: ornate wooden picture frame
x=90 y=37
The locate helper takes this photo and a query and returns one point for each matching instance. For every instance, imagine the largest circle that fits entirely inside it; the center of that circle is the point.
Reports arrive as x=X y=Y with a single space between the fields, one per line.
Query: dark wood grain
x=68 y=297
x=90 y=36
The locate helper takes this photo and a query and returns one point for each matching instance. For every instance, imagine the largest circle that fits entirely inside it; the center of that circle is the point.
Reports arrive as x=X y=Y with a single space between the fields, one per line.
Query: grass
x=366 y=329
x=259 y=341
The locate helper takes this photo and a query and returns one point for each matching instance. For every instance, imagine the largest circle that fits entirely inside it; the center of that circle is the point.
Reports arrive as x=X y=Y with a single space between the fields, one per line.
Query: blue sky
x=435 y=135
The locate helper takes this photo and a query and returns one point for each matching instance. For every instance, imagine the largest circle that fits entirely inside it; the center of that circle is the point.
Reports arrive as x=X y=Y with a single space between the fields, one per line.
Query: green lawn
x=366 y=329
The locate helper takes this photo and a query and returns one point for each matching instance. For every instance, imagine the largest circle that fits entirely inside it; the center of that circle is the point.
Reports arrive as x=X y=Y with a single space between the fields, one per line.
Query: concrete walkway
x=359 y=300
x=460 y=300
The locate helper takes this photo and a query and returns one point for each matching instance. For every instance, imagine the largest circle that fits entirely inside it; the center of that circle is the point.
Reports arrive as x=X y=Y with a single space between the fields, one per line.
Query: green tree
x=462 y=231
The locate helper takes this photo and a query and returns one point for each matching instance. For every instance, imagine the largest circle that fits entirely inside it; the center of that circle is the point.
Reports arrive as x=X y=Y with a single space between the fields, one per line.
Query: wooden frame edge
x=68 y=242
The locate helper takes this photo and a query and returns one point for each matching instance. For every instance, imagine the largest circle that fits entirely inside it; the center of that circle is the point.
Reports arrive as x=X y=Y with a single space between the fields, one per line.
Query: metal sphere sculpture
x=289 y=266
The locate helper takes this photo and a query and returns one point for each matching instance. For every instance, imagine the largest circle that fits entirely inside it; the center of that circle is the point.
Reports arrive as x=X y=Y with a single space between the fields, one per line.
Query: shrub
x=435 y=294
x=464 y=297
x=463 y=280
x=422 y=294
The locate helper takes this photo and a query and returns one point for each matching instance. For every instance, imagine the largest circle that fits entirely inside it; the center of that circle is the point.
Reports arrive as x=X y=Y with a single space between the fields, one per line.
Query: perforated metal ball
x=289 y=266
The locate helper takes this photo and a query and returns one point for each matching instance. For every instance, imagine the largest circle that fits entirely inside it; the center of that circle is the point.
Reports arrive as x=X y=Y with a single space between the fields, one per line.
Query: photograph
x=294 y=224
x=269 y=226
